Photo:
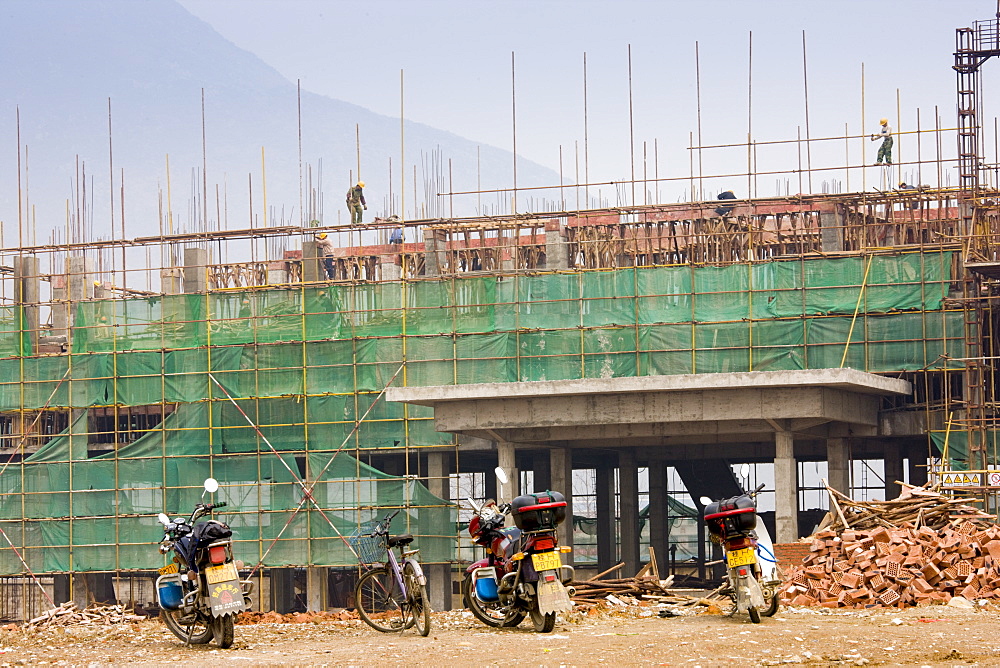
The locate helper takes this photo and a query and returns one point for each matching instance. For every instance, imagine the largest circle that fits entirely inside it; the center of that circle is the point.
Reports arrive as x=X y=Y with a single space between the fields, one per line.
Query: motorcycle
x=522 y=573
x=200 y=592
x=751 y=570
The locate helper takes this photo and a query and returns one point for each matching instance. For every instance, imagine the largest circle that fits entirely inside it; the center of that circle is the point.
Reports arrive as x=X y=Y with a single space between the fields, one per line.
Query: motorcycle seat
x=402 y=539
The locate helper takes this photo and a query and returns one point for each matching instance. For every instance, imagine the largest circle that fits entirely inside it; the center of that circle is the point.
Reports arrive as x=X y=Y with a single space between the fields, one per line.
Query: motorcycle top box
x=539 y=511
x=733 y=515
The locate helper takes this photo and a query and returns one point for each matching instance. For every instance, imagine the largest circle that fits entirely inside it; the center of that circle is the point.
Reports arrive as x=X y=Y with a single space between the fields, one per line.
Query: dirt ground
x=935 y=635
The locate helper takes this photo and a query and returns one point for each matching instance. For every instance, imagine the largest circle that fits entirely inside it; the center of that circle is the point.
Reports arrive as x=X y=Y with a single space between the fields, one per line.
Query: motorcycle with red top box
x=522 y=574
x=751 y=575
x=200 y=592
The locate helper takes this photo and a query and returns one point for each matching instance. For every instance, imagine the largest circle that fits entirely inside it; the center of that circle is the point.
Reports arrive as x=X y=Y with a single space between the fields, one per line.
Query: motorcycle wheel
x=772 y=607
x=222 y=629
x=420 y=605
x=491 y=614
x=754 y=614
x=543 y=623
x=201 y=633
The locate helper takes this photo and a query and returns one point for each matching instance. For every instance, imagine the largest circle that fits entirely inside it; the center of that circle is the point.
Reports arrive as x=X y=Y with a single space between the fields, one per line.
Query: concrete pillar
x=892 y=468
x=61 y=592
x=196 y=262
x=556 y=248
x=172 y=280
x=607 y=534
x=561 y=462
x=390 y=271
x=838 y=464
x=277 y=272
x=918 y=464
x=439 y=576
x=786 y=489
x=434 y=252
x=542 y=466
x=312 y=264
x=79 y=286
x=628 y=511
x=26 y=280
x=831 y=231
x=659 y=530
x=506 y=461
x=282 y=582
x=316 y=588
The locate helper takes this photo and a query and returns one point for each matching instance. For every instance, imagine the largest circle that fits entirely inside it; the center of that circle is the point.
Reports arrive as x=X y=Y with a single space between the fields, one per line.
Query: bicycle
x=390 y=597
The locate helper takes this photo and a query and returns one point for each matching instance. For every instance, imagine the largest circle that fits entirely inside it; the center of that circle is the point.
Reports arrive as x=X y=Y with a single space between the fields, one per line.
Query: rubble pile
x=68 y=614
x=921 y=547
x=645 y=586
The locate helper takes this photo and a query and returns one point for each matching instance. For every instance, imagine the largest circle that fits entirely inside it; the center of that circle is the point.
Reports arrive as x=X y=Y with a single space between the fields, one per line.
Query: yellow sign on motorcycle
x=167 y=570
x=743 y=557
x=221 y=573
x=546 y=561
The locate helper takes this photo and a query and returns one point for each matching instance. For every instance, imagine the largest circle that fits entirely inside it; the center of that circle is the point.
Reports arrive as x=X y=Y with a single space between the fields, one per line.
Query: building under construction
x=646 y=348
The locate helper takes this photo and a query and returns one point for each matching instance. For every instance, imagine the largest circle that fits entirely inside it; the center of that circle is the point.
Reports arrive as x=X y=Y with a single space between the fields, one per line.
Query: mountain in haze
x=63 y=61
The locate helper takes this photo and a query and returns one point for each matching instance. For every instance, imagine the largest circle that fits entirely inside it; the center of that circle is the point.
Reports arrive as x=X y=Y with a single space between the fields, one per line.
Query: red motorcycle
x=522 y=574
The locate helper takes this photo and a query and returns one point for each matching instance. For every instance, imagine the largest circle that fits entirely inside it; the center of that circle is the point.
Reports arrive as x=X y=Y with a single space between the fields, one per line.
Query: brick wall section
x=790 y=554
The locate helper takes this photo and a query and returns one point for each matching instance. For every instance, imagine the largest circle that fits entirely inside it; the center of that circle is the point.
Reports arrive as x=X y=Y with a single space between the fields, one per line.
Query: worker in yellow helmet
x=325 y=250
x=356 y=202
x=885 y=150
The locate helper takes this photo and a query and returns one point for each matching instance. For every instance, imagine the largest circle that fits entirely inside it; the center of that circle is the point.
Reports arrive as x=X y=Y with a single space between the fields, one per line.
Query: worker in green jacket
x=356 y=202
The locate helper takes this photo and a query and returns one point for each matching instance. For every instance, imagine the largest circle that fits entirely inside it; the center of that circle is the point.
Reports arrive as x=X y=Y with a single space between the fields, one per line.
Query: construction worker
x=325 y=248
x=726 y=209
x=356 y=202
x=885 y=150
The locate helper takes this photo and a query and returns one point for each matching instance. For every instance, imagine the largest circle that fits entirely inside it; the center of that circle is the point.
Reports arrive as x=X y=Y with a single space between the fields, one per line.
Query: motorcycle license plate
x=741 y=557
x=167 y=570
x=221 y=573
x=546 y=561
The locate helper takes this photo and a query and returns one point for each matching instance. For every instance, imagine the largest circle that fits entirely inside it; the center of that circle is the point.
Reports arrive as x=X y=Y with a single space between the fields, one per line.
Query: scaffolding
x=126 y=382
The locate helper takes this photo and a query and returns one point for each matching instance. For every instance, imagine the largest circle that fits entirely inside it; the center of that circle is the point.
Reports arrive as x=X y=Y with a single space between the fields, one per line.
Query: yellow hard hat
x=321 y=235
x=361 y=184
x=883 y=121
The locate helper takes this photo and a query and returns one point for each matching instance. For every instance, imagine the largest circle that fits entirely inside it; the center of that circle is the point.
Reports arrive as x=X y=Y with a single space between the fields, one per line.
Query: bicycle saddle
x=403 y=539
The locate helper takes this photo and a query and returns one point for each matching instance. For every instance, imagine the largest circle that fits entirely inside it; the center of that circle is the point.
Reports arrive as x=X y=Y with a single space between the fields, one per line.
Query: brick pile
x=919 y=548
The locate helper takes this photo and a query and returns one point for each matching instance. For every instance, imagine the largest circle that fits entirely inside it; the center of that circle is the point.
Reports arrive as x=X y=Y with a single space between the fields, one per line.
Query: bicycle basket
x=370 y=549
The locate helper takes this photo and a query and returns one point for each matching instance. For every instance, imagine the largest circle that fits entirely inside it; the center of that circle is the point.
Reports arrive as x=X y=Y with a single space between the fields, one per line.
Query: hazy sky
x=457 y=64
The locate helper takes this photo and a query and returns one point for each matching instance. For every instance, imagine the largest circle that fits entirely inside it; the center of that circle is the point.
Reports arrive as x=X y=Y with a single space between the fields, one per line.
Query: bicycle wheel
x=420 y=605
x=380 y=602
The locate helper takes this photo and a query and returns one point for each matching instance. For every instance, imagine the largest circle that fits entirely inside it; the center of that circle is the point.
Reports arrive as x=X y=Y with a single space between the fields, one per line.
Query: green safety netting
x=99 y=513
x=952 y=445
x=306 y=363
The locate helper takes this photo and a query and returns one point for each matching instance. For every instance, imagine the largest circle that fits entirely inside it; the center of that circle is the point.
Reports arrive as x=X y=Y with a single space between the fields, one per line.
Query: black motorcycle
x=200 y=593
x=751 y=575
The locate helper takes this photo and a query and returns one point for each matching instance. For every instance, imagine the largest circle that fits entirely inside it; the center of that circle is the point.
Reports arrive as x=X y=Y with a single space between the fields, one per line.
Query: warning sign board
x=961 y=479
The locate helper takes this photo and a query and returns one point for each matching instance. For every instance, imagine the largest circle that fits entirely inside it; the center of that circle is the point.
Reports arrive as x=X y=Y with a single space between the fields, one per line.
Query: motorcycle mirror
x=211 y=485
x=163 y=519
x=705 y=500
x=501 y=475
x=745 y=471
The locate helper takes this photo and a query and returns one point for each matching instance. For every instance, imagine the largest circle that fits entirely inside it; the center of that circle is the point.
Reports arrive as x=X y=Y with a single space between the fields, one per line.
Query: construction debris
x=644 y=588
x=68 y=614
x=921 y=547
